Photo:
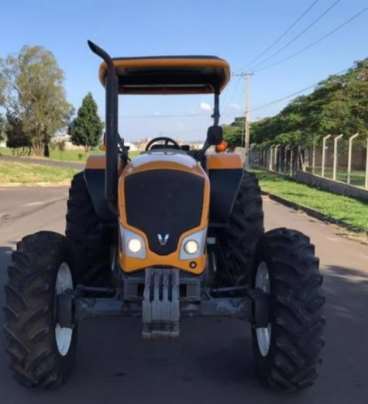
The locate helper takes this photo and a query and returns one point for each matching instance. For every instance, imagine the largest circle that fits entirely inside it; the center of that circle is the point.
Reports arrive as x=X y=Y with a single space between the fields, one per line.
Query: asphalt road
x=212 y=361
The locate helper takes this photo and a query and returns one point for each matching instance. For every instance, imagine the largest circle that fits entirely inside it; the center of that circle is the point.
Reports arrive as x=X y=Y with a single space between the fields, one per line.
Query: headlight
x=193 y=246
x=132 y=244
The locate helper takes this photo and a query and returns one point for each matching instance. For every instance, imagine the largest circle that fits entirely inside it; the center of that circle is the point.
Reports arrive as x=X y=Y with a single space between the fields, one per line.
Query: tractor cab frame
x=153 y=76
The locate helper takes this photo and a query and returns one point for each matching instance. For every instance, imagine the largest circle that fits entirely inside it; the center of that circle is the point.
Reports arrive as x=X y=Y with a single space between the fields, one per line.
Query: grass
x=69 y=155
x=347 y=210
x=357 y=177
x=27 y=173
x=64 y=155
x=12 y=173
x=55 y=154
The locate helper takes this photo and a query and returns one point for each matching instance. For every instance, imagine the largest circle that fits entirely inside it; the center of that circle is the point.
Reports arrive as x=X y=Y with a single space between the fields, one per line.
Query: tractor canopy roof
x=169 y=74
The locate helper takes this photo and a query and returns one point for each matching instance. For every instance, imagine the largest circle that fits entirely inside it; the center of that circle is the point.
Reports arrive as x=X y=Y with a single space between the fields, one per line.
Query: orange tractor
x=169 y=234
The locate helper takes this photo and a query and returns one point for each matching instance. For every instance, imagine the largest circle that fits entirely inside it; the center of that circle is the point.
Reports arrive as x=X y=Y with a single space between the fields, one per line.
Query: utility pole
x=247 y=118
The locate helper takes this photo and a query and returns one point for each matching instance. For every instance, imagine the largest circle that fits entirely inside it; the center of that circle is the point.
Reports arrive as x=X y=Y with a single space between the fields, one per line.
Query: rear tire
x=41 y=353
x=288 y=351
x=90 y=244
x=245 y=227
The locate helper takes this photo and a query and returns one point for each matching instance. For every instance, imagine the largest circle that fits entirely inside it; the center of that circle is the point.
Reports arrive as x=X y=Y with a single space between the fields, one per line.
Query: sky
x=237 y=30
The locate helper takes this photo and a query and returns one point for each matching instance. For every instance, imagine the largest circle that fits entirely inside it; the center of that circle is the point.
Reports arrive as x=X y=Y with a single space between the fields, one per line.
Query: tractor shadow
x=211 y=362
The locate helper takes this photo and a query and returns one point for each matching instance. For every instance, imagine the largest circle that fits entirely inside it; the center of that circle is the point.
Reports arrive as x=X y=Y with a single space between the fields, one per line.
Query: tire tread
x=297 y=308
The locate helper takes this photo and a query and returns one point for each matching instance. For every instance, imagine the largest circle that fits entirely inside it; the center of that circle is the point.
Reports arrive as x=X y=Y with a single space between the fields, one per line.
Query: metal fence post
x=261 y=157
x=291 y=162
x=265 y=157
x=324 y=154
x=336 y=140
x=351 y=138
x=300 y=159
x=270 y=160
x=276 y=157
x=266 y=153
x=284 y=168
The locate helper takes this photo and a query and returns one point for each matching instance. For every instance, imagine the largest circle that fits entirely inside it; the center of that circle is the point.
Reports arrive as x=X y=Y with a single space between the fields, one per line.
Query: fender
x=94 y=175
x=225 y=171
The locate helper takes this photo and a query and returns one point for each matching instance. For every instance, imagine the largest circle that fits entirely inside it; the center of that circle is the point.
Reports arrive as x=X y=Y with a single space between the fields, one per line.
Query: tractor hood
x=163 y=195
x=167 y=158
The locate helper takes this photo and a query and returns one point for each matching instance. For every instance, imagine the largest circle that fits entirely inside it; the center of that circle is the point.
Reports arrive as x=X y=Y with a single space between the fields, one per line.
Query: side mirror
x=214 y=135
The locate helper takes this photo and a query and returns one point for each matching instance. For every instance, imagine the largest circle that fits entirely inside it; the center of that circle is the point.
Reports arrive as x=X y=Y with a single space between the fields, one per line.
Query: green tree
x=16 y=138
x=2 y=128
x=234 y=133
x=2 y=86
x=339 y=104
x=35 y=94
x=2 y=103
x=86 y=128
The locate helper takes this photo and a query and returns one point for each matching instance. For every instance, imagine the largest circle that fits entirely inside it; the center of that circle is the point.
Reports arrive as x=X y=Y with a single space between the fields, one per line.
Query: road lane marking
x=37 y=203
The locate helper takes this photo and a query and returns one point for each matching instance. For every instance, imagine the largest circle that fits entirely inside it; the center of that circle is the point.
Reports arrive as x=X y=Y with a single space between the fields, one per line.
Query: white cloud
x=205 y=106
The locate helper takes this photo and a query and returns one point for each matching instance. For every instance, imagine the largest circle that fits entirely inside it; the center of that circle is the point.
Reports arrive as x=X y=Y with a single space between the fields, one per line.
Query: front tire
x=288 y=350
x=89 y=241
x=41 y=352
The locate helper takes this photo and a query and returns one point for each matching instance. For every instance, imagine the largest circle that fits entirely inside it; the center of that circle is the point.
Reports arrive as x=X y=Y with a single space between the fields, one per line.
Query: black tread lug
x=245 y=227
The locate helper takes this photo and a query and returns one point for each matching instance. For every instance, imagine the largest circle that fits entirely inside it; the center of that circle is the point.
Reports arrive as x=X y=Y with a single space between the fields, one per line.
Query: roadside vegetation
x=34 y=99
x=347 y=210
x=19 y=173
x=337 y=105
x=357 y=177
x=37 y=116
x=61 y=155
x=55 y=154
x=28 y=173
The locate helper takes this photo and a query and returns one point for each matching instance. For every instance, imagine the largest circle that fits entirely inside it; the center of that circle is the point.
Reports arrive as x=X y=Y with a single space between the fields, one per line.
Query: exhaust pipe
x=111 y=122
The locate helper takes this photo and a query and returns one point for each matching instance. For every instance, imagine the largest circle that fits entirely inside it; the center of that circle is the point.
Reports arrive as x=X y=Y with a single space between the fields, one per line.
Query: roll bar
x=111 y=122
x=216 y=109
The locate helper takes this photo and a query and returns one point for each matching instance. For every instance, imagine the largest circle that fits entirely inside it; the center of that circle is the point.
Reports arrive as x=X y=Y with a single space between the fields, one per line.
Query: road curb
x=312 y=212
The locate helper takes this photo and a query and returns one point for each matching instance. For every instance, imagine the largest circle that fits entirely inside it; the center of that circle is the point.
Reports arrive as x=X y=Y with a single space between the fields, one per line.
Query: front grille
x=164 y=202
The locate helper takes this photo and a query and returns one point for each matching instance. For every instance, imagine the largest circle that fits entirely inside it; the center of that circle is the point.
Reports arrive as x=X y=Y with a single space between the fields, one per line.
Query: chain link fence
x=337 y=158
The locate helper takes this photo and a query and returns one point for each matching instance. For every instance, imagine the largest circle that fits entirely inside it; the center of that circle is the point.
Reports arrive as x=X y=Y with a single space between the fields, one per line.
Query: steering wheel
x=166 y=140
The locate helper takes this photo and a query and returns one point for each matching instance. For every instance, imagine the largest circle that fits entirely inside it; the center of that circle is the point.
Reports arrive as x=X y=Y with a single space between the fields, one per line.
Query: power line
x=279 y=38
x=278 y=100
x=286 y=97
x=300 y=34
x=311 y=45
